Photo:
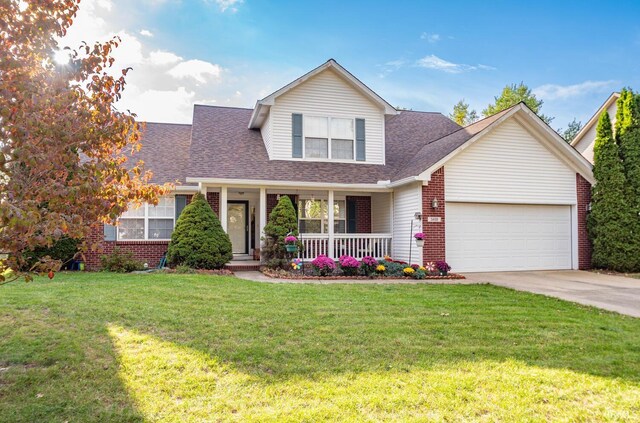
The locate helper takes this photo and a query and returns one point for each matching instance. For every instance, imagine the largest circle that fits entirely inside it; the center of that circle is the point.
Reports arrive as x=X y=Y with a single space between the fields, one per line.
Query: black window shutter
x=109 y=232
x=360 y=141
x=181 y=203
x=296 y=130
x=351 y=217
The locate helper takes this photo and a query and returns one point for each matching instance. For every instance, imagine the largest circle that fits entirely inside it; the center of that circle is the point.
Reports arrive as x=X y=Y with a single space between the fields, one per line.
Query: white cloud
x=431 y=38
x=434 y=62
x=229 y=5
x=196 y=69
x=146 y=33
x=553 y=91
x=160 y=58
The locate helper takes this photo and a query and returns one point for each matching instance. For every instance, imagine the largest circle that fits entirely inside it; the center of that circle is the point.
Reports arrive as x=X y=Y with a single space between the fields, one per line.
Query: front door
x=238 y=226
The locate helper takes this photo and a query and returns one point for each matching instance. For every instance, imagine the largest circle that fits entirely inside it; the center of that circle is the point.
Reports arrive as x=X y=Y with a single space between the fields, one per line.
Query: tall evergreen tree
x=282 y=221
x=608 y=220
x=628 y=140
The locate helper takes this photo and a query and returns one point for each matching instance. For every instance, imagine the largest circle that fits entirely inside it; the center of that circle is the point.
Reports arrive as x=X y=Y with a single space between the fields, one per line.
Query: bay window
x=313 y=216
x=148 y=222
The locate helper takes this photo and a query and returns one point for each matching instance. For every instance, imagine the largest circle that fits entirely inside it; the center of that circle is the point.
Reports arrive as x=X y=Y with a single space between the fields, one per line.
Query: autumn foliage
x=63 y=143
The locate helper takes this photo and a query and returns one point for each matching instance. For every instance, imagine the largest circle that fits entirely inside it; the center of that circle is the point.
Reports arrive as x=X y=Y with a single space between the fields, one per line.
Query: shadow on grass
x=276 y=334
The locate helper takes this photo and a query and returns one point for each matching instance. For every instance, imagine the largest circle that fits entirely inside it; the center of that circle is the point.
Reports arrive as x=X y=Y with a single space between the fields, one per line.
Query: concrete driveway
x=615 y=293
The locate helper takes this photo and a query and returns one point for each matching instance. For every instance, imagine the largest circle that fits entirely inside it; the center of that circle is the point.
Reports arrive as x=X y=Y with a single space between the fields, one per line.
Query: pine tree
x=199 y=240
x=608 y=220
x=628 y=139
x=282 y=221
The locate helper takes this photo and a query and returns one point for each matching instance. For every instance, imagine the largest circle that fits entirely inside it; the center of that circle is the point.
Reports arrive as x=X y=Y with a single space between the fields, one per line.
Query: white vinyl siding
x=507 y=237
x=407 y=201
x=585 y=145
x=509 y=165
x=325 y=94
x=381 y=212
x=265 y=130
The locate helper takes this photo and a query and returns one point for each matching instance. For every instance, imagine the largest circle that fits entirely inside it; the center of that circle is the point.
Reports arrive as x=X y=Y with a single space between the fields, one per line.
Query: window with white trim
x=326 y=137
x=313 y=216
x=148 y=222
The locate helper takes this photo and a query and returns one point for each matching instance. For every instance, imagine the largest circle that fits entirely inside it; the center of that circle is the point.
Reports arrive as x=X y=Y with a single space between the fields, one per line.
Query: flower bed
x=286 y=274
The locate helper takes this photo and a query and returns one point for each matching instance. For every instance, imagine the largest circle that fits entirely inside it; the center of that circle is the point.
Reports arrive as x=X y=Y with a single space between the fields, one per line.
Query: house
x=586 y=138
x=505 y=193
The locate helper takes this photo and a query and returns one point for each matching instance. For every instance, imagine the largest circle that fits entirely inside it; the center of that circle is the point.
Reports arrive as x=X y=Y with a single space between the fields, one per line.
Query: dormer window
x=319 y=137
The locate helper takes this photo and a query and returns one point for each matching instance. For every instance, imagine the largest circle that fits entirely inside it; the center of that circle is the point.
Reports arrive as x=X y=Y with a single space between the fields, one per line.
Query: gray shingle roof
x=165 y=151
x=219 y=145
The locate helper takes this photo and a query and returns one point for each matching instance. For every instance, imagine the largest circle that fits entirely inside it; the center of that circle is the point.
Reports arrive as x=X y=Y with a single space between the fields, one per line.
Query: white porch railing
x=355 y=245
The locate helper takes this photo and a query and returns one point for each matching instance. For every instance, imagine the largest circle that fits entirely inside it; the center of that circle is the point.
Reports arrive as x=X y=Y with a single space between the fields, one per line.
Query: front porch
x=359 y=224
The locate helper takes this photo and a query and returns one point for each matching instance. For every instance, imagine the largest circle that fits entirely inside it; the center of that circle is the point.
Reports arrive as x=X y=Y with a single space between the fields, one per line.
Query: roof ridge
x=164 y=123
x=221 y=107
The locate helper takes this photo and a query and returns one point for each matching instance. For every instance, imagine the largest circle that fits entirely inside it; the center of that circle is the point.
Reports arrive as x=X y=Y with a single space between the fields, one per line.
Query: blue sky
x=420 y=55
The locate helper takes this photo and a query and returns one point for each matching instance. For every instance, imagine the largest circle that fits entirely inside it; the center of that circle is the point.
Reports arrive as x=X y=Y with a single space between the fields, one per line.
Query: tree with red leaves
x=64 y=145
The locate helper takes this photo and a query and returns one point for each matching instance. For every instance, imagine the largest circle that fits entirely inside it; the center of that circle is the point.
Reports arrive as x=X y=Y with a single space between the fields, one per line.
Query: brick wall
x=583 y=188
x=149 y=252
x=434 y=245
x=213 y=198
x=363 y=213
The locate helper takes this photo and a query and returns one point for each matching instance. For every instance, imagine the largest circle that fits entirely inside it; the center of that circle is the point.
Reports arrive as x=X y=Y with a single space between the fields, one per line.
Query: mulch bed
x=281 y=274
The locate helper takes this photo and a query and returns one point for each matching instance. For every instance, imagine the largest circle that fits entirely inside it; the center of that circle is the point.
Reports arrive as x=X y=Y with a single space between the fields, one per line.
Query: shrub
x=184 y=269
x=199 y=241
x=323 y=265
x=349 y=265
x=282 y=222
x=62 y=250
x=368 y=265
x=120 y=261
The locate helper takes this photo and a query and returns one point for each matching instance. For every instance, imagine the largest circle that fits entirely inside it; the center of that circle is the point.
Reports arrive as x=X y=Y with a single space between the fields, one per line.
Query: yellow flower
x=380 y=268
x=409 y=271
x=422 y=268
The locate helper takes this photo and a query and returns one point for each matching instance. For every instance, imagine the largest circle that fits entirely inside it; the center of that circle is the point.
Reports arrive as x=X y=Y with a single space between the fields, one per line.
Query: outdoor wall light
x=434 y=203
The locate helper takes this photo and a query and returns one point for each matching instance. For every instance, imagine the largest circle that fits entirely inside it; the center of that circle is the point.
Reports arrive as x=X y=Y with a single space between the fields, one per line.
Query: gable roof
x=262 y=106
x=222 y=147
x=458 y=141
x=594 y=119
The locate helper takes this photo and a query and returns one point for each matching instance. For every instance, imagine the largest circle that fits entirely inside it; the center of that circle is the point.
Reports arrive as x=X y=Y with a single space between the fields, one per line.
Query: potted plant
x=290 y=243
x=419 y=237
x=443 y=267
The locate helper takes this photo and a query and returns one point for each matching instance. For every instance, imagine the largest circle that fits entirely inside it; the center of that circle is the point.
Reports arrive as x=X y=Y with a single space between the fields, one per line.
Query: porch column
x=331 y=249
x=263 y=213
x=203 y=189
x=223 y=208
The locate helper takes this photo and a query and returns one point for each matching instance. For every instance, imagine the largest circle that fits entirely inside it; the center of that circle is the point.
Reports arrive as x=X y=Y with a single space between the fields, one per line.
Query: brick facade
x=583 y=189
x=149 y=252
x=213 y=198
x=434 y=245
x=363 y=213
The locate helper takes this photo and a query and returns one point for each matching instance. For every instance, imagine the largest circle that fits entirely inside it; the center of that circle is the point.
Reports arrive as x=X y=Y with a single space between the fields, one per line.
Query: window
x=328 y=137
x=147 y=221
x=313 y=216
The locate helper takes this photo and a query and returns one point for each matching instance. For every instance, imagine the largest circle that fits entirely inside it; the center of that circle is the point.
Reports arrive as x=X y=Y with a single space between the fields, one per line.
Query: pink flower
x=290 y=239
x=419 y=236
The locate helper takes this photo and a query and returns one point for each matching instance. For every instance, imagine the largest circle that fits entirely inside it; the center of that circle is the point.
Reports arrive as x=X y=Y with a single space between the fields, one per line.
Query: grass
x=104 y=347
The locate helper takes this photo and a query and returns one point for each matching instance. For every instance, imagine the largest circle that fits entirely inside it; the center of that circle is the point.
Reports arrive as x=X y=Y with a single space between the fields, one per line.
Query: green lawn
x=104 y=347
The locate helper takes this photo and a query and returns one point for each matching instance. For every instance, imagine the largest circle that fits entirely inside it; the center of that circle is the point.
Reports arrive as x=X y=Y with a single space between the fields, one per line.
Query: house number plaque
x=434 y=219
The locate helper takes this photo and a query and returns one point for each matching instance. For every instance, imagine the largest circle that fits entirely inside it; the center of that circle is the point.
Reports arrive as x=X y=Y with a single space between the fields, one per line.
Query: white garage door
x=498 y=237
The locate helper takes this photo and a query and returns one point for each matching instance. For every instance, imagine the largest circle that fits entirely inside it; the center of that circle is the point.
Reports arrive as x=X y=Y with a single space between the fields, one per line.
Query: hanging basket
x=420 y=243
x=291 y=248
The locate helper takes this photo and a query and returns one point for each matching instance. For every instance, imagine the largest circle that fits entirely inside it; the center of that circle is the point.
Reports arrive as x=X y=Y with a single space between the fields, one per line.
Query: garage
x=507 y=237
